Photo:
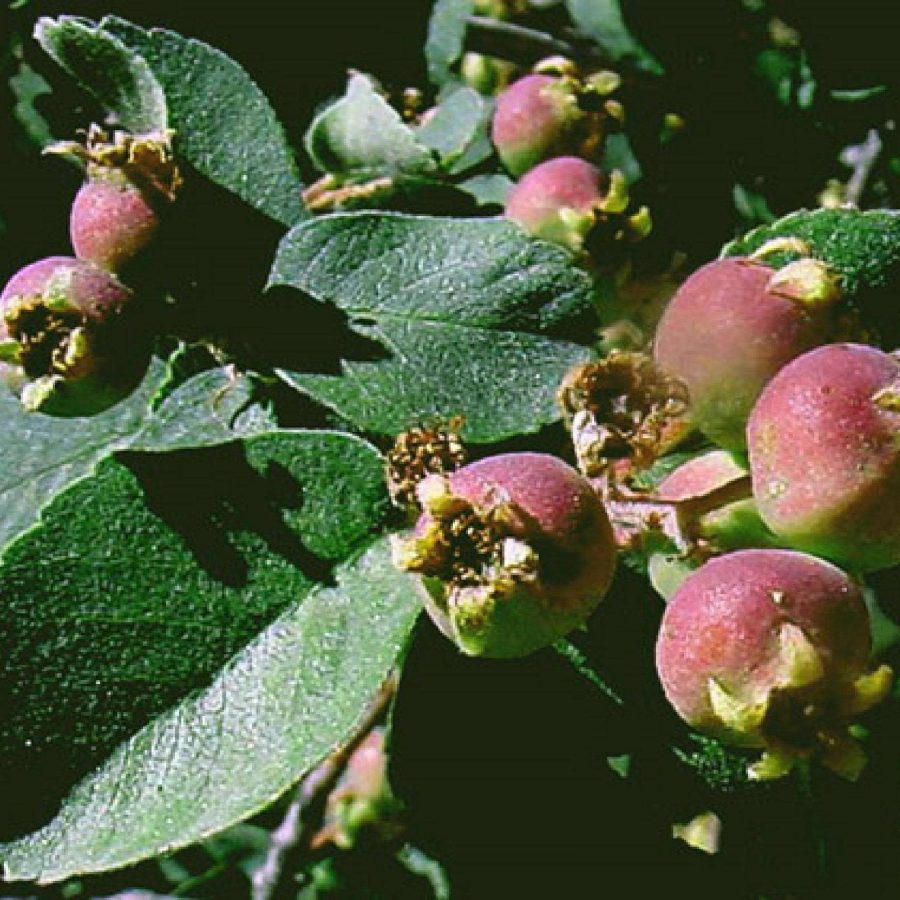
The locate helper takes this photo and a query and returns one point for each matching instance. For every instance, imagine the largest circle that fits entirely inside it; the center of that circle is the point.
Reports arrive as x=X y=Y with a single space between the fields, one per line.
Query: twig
x=290 y=834
x=514 y=42
x=861 y=158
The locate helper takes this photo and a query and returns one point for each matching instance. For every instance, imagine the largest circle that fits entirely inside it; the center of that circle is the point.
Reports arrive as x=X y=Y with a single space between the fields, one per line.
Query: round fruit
x=515 y=551
x=824 y=443
x=535 y=118
x=729 y=328
x=770 y=649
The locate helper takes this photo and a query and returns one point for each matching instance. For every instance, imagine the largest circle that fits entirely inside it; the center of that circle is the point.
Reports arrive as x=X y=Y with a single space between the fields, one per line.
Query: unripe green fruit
x=824 y=442
x=770 y=649
x=515 y=551
x=729 y=328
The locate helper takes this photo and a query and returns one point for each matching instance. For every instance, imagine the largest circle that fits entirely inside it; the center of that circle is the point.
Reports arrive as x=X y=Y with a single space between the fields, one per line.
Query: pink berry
x=130 y=180
x=557 y=200
x=514 y=550
x=770 y=649
x=111 y=222
x=730 y=327
x=535 y=118
x=824 y=442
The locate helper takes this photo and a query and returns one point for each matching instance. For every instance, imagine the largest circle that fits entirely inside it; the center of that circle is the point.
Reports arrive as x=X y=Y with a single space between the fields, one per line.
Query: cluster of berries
x=765 y=642
x=547 y=127
x=70 y=332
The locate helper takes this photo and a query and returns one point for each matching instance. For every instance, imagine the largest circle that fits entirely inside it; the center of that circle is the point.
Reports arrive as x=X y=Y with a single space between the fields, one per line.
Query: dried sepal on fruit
x=514 y=551
x=419 y=452
x=623 y=413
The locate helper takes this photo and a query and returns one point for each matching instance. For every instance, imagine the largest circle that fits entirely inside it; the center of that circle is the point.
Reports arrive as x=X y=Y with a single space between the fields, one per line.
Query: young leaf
x=603 y=21
x=362 y=136
x=454 y=125
x=470 y=311
x=446 y=38
x=117 y=76
x=118 y=626
x=224 y=125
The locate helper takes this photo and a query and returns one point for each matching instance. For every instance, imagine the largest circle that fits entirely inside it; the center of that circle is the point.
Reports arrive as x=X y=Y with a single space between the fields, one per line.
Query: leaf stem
x=579 y=662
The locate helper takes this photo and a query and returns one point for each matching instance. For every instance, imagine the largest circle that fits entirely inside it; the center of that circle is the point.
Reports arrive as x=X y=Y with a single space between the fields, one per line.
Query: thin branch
x=302 y=810
x=515 y=42
x=861 y=158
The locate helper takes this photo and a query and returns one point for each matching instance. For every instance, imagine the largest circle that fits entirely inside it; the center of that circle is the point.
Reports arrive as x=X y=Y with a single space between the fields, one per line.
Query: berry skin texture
x=770 y=649
x=726 y=332
x=514 y=551
x=111 y=222
x=62 y=321
x=535 y=119
x=557 y=200
x=824 y=443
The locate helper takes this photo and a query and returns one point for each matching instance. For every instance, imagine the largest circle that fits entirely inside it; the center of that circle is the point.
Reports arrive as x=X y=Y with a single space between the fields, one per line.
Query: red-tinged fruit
x=535 y=119
x=514 y=551
x=770 y=649
x=824 y=443
x=561 y=200
x=130 y=180
x=731 y=326
x=65 y=321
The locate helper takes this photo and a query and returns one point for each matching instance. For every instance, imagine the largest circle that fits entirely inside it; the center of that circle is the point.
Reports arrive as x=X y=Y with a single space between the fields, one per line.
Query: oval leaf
x=470 y=311
x=225 y=127
x=279 y=707
x=113 y=626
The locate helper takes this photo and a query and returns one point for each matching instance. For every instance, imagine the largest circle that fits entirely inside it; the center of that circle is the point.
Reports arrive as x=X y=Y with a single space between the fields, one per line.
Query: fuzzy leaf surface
x=471 y=313
x=113 y=73
x=362 y=135
x=224 y=125
x=42 y=455
x=127 y=629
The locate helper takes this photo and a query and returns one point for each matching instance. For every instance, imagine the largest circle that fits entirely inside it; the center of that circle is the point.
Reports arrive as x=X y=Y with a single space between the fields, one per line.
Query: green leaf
x=469 y=310
x=446 y=38
x=117 y=76
x=117 y=626
x=362 y=136
x=454 y=125
x=864 y=247
x=490 y=189
x=225 y=126
x=42 y=455
x=210 y=408
x=603 y=21
x=27 y=86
